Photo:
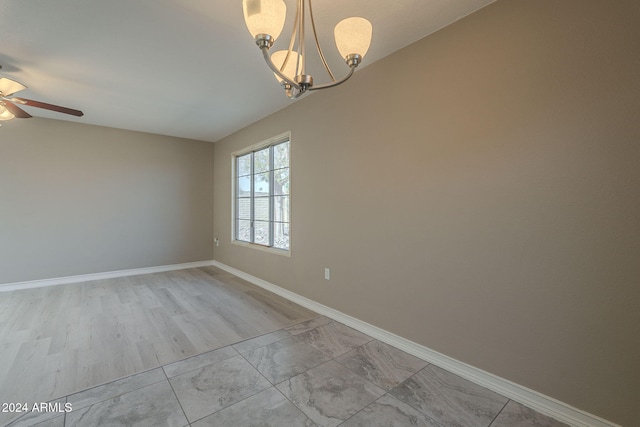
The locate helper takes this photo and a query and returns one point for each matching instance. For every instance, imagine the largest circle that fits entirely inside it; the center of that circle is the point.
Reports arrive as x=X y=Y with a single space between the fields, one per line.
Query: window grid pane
x=243 y=208
x=261 y=160
x=281 y=181
x=262 y=232
x=243 y=231
x=244 y=165
x=281 y=155
x=281 y=235
x=261 y=208
x=261 y=184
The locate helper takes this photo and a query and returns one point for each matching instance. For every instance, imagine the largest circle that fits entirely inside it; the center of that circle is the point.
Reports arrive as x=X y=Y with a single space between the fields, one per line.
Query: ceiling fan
x=9 y=109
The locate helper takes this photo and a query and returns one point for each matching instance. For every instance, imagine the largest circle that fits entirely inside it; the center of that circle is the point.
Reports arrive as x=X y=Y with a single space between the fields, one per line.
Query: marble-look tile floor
x=314 y=373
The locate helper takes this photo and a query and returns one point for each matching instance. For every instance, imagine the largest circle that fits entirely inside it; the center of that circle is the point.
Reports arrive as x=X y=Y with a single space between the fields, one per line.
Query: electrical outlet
x=216 y=241
x=327 y=274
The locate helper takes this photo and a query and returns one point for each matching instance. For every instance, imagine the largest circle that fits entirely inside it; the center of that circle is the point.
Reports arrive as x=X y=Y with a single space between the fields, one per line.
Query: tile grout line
x=333 y=359
x=162 y=367
x=386 y=392
x=245 y=359
x=275 y=386
x=66 y=397
x=111 y=382
x=242 y=400
x=176 y=396
x=499 y=412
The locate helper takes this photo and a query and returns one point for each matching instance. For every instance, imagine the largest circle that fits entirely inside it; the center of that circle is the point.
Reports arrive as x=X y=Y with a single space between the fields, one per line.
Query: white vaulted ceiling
x=185 y=68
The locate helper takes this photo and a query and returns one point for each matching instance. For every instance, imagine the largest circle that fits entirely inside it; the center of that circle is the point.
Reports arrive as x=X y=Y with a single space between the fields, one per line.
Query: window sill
x=276 y=251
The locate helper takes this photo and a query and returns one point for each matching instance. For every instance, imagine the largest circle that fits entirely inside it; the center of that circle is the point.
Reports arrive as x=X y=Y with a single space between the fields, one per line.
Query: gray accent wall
x=78 y=199
x=477 y=193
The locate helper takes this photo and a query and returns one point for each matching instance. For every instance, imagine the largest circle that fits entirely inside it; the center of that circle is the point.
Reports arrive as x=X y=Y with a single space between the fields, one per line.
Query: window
x=261 y=196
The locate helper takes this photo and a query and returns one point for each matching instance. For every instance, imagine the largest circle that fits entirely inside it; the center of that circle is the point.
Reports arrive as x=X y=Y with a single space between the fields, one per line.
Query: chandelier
x=265 y=20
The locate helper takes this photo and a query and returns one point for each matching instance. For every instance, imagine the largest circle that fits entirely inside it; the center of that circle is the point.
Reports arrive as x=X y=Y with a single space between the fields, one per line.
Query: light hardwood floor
x=61 y=339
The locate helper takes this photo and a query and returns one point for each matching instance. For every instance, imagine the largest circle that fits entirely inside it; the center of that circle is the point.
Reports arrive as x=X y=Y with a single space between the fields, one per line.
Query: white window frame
x=257 y=147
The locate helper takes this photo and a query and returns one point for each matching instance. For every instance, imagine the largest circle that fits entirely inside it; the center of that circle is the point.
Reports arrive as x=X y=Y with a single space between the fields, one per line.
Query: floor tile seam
x=362 y=409
x=261 y=375
x=443 y=384
x=392 y=359
x=352 y=349
x=258 y=370
x=177 y=399
x=499 y=412
x=331 y=358
x=430 y=416
x=111 y=382
x=303 y=321
x=64 y=420
x=309 y=330
x=225 y=407
x=362 y=376
x=293 y=403
x=399 y=398
x=327 y=362
x=107 y=401
x=203 y=366
x=119 y=395
x=265 y=334
x=164 y=372
x=312 y=344
x=294 y=337
x=371 y=339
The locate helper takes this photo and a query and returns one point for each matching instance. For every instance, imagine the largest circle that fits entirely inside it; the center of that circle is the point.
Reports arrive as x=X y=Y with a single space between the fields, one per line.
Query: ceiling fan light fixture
x=9 y=110
x=5 y=114
x=8 y=87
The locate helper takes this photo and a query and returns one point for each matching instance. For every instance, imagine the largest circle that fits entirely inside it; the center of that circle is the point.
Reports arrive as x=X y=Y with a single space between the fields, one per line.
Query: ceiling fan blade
x=8 y=87
x=15 y=110
x=51 y=107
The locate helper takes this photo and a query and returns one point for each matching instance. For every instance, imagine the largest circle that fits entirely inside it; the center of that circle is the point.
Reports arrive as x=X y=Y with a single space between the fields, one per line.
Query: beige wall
x=477 y=193
x=77 y=199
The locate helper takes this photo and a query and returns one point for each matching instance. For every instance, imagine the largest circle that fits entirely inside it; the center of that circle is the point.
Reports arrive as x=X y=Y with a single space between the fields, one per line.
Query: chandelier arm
x=301 y=42
x=267 y=59
x=292 y=42
x=335 y=83
x=315 y=36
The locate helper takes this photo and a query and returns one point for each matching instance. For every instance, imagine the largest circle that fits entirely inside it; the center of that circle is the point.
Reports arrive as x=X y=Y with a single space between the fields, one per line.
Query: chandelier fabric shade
x=265 y=20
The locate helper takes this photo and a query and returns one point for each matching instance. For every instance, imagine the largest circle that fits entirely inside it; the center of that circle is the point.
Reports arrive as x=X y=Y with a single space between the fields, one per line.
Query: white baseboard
x=537 y=401
x=99 y=276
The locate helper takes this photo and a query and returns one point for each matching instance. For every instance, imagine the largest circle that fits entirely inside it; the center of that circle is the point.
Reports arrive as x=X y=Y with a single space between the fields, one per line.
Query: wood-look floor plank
x=58 y=340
